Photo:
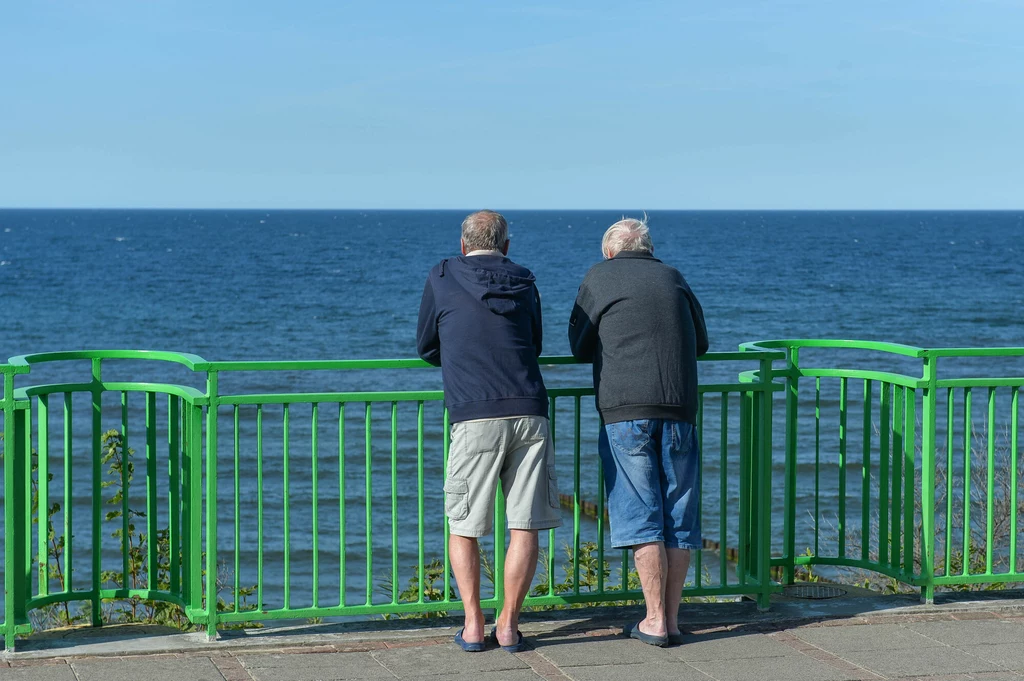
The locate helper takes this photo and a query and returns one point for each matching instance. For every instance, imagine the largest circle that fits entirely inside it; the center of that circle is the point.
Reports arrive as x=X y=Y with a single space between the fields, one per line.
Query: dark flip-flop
x=649 y=639
x=517 y=647
x=469 y=646
x=677 y=639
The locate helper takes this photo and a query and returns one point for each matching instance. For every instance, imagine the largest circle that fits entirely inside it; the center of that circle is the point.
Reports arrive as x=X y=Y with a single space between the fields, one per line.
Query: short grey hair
x=484 y=230
x=628 y=234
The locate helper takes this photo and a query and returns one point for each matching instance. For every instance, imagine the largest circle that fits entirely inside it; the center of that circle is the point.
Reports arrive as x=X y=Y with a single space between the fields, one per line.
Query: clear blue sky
x=590 y=104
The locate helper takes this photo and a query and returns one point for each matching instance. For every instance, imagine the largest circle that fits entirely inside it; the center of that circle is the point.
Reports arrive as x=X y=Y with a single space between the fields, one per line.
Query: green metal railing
x=927 y=491
x=248 y=506
x=260 y=494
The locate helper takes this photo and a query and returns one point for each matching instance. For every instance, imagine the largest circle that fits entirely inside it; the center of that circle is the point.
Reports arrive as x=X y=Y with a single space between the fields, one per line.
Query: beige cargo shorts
x=516 y=450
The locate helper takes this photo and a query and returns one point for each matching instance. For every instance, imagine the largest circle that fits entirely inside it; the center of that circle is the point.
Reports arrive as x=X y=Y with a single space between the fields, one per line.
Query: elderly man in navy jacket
x=480 y=321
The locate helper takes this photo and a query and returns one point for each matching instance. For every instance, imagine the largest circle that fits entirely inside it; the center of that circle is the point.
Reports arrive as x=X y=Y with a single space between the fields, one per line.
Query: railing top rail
x=353 y=364
x=193 y=362
x=974 y=352
x=878 y=346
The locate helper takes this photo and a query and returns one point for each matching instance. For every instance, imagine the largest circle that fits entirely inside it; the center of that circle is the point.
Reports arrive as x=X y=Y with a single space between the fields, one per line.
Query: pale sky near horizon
x=591 y=104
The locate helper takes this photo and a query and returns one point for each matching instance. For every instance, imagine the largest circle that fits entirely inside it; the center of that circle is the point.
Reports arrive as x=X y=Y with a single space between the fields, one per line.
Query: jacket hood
x=497 y=282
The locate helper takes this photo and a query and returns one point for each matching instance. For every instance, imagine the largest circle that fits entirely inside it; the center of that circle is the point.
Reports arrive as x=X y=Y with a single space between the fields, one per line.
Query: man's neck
x=486 y=252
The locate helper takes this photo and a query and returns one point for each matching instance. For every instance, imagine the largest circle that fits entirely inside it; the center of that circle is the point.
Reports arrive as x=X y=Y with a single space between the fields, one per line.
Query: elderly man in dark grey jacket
x=642 y=327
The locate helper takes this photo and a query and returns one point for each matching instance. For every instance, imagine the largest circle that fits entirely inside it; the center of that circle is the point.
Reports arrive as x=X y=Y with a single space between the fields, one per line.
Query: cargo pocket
x=456 y=503
x=553 y=500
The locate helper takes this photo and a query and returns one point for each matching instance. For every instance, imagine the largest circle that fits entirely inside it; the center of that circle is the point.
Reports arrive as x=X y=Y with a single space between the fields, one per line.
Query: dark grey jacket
x=638 y=321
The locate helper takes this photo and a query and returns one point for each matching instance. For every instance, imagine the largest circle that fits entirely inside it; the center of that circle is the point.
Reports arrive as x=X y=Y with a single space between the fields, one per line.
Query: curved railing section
x=231 y=506
x=887 y=468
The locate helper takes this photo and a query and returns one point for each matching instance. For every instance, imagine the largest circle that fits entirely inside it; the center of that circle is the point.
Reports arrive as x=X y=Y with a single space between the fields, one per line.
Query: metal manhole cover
x=814 y=591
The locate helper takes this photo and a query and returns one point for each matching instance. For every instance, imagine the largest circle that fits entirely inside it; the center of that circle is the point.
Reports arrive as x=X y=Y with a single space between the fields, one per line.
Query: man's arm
x=428 y=342
x=698 y=325
x=582 y=326
x=538 y=323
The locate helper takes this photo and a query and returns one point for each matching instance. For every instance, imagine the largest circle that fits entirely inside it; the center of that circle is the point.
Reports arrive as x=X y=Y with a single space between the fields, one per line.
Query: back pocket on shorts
x=456 y=503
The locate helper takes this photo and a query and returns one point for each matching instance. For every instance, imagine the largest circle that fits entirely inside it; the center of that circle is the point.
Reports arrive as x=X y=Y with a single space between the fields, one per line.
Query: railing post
x=928 y=482
x=11 y=501
x=763 y=514
x=194 y=508
x=211 y=505
x=789 y=510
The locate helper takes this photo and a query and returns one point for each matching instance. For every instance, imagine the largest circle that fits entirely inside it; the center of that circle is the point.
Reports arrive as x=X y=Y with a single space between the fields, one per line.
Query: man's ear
x=462 y=244
x=504 y=249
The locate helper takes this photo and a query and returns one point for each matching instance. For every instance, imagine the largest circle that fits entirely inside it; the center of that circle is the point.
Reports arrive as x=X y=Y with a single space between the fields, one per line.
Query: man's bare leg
x=652 y=565
x=520 y=566
x=465 y=557
x=678 y=561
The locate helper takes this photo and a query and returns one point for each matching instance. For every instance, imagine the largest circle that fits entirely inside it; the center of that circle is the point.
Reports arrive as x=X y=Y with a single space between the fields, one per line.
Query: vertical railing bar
x=551 y=533
x=236 y=488
x=259 y=507
x=909 y=470
x=420 y=509
x=287 y=523
x=444 y=476
x=576 y=500
x=212 y=496
x=69 y=548
x=394 y=502
x=817 y=463
x=698 y=565
x=990 y=491
x=1013 y=479
x=948 y=544
x=898 y=423
x=8 y=520
x=865 y=475
x=152 y=496
x=723 y=494
x=968 y=427
x=747 y=438
x=42 y=477
x=124 y=489
x=884 y=432
x=174 y=493
x=315 y=463
x=843 y=408
x=96 y=611
x=368 y=442
x=342 y=595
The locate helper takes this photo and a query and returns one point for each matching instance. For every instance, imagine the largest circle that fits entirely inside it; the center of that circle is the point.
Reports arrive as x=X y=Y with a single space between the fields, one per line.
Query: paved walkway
x=851 y=638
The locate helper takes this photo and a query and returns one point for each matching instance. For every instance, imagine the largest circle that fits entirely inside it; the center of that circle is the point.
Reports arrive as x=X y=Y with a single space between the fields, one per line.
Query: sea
x=346 y=284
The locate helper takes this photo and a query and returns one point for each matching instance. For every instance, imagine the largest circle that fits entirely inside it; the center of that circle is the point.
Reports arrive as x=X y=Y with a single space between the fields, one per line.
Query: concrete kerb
x=738 y=618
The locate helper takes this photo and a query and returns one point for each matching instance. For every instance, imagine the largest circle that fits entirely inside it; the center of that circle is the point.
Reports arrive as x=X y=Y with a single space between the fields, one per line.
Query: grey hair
x=484 y=230
x=628 y=234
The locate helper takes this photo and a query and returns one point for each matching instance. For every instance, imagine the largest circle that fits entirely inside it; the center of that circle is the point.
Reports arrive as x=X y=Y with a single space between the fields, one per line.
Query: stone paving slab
x=139 y=668
x=505 y=675
x=445 y=659
x=60 y=672
x=313 y=667
x=1006 y=655
x=954 y=633
x=865 y=637
x=920 y=662
x=650 y=671
x=729 y=645
x=774 y=668
x=590 y=651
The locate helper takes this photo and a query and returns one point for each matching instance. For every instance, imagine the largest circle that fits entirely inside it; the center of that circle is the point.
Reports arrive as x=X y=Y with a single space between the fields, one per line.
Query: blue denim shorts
x=652 y=477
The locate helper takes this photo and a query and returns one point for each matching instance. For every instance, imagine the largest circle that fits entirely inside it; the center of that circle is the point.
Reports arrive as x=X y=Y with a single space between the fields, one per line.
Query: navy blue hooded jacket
x=480 y=321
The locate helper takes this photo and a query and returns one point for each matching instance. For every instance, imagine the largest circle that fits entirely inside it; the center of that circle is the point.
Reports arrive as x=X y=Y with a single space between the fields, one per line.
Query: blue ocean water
x=334 y=284
x=347 y=284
